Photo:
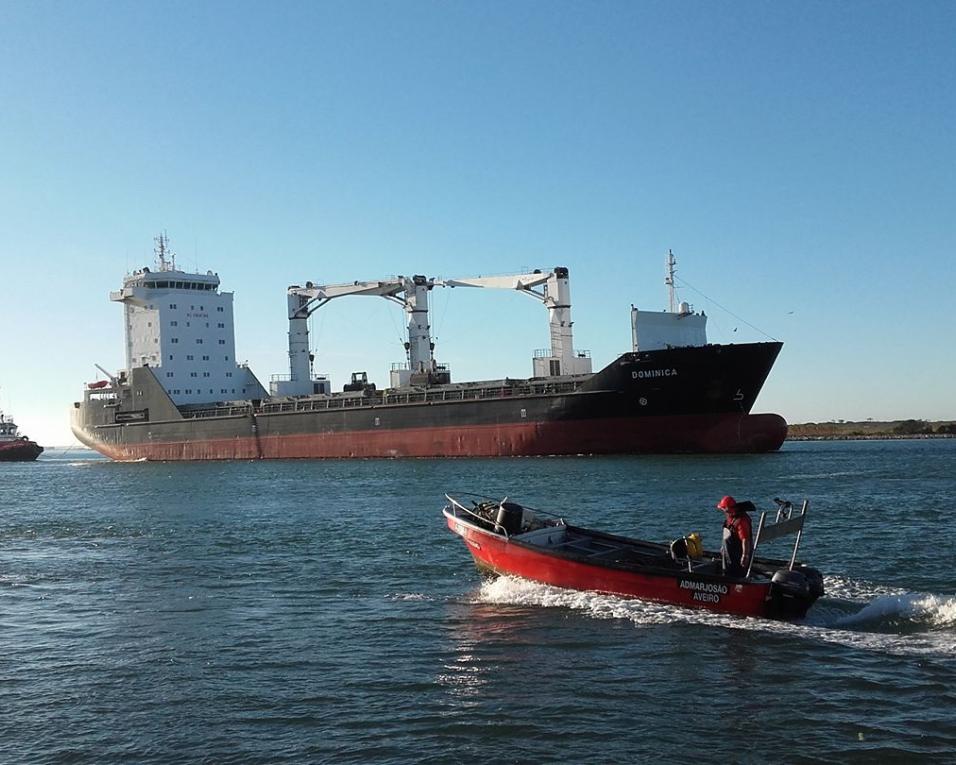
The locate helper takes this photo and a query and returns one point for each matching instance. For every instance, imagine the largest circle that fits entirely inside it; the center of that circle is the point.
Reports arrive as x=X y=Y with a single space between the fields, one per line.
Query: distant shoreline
x=871 y=430
x=871 y=437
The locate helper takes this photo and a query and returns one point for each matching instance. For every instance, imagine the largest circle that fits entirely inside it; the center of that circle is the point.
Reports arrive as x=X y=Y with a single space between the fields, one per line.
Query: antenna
x=670 y=268
x=162 y=250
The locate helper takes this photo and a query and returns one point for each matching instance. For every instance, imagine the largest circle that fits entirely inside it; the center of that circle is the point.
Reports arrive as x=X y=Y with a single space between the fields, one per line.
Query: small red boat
x=506 y=538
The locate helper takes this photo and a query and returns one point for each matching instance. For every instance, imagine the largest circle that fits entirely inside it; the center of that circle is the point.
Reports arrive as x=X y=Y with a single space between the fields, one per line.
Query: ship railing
x=100 y=395
x=548 y=353
x=387 y=398
x=219 y=411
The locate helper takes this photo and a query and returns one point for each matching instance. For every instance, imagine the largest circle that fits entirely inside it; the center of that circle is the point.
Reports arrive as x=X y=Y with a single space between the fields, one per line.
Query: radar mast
x=161 y=251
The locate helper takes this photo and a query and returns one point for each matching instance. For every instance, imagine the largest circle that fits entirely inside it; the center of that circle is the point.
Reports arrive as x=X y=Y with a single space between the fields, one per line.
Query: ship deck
x=391 y=397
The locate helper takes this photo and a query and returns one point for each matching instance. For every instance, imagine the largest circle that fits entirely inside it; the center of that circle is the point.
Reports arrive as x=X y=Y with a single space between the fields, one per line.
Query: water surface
x=319 y=611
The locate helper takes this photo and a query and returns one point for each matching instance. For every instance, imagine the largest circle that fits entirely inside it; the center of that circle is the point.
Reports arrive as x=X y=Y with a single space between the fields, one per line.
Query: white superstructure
x=8 y=429
x=678 y=327
x=181 y=326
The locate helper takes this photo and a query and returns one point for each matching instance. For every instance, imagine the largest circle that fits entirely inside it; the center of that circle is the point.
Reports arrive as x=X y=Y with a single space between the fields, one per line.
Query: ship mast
x=670 y=268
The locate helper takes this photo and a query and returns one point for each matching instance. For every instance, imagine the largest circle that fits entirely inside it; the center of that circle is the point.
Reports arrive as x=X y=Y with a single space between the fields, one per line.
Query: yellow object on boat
x=695 y=547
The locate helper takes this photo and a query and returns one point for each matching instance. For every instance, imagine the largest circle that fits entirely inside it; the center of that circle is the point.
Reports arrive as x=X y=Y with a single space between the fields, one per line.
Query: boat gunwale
x=629 y=567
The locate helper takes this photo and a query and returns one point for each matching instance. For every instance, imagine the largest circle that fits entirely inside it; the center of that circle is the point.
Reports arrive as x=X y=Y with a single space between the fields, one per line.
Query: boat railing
x=390 y=397
x=786 y=522
x=486 y=498
x=456 y=505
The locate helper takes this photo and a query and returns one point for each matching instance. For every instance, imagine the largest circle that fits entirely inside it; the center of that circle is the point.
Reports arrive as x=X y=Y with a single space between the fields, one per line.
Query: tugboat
x=505 y=538
x=13 y=446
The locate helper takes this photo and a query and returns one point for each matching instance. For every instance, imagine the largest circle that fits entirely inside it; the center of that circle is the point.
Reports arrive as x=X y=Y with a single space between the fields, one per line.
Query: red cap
x=727 y=503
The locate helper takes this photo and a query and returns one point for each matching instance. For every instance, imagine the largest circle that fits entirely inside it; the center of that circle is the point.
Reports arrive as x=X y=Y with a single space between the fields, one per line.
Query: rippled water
x=321 y=612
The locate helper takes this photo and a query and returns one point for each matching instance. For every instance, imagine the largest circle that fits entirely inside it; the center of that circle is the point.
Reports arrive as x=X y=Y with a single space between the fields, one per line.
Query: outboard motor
x=792 y=583
x=814 y=580
x=509 y=517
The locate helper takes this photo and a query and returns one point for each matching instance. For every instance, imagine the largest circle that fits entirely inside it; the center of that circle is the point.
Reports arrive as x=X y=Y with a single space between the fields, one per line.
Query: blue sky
x=797 y=157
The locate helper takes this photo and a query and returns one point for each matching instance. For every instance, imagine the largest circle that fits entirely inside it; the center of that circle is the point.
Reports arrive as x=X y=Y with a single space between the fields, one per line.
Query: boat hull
x=20 y=451
x=498 y=555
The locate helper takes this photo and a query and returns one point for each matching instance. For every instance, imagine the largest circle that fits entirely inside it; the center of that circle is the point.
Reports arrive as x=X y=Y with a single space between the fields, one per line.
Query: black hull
x=677 y=400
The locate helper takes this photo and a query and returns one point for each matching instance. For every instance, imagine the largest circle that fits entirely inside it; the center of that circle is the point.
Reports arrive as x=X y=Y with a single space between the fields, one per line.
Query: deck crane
x=555 y=293
x=410 y=292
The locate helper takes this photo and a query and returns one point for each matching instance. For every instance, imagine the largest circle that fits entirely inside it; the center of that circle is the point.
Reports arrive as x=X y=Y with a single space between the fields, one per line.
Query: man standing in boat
x=737 y=545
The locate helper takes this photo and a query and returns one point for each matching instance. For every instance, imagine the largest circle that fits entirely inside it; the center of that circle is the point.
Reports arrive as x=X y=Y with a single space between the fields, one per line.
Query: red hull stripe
x=732 y=433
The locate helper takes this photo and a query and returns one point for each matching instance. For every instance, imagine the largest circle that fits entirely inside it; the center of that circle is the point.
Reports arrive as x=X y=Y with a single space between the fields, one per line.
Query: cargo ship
x=15 y=447
x=182 y=396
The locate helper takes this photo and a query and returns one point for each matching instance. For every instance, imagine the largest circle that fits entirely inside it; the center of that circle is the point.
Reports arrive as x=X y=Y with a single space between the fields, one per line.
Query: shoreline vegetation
x=843 y=430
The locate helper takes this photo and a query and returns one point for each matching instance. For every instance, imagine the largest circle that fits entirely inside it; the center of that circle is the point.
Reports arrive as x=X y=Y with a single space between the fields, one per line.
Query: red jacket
x=741 y=526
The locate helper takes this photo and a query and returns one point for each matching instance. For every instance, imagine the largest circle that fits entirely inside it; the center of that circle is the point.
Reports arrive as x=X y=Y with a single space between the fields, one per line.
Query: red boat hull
x=20 y=451
x=496 y=554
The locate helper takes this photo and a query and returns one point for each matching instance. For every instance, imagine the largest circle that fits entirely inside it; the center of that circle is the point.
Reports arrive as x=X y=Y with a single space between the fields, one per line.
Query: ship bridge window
x=162 y=285
x=172 y=305
x=179 y=285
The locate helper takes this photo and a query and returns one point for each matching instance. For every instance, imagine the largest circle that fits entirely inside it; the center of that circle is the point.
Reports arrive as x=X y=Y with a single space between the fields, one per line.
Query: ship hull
x=20 y=451
x=693 y=400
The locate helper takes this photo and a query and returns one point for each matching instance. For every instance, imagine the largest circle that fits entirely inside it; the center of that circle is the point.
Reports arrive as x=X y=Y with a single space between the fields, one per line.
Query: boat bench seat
x=549 y=536
x=587 y=547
